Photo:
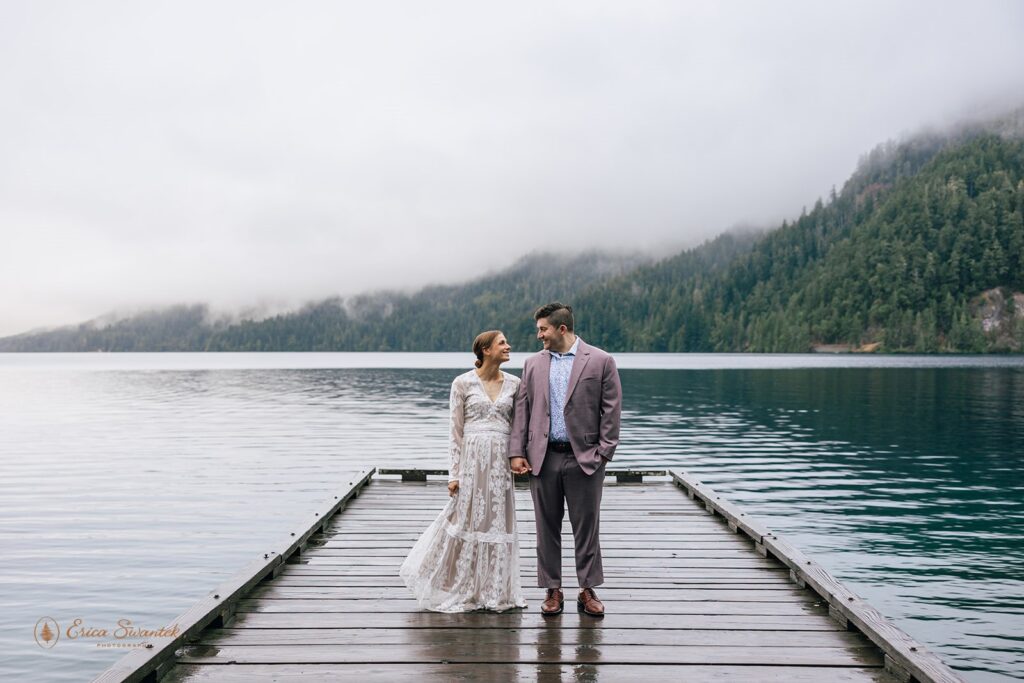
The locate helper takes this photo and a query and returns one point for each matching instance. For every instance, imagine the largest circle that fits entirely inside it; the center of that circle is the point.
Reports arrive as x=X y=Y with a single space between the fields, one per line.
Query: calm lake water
x=134 y=483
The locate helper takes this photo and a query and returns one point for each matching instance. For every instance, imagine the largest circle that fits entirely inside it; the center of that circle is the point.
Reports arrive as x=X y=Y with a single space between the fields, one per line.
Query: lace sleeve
x=457 y=403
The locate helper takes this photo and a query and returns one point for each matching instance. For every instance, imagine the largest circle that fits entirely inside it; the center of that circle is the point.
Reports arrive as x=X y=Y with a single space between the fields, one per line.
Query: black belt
x=560 y=446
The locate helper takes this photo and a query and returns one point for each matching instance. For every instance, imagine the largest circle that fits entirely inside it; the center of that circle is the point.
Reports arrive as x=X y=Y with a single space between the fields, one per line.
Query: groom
x=566 y=425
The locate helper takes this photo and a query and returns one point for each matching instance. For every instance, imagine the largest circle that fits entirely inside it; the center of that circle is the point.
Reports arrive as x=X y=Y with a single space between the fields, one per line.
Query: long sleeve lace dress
x=468 y=558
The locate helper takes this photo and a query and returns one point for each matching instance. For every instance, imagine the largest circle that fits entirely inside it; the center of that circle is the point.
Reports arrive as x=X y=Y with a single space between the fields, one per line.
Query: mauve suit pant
x=562 y=482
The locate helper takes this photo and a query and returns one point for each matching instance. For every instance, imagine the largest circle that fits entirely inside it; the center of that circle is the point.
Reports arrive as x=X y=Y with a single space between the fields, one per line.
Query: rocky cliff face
x=1001 y=314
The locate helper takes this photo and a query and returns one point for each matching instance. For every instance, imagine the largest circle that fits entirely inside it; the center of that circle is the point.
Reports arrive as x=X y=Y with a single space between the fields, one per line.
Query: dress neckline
x=483 y=388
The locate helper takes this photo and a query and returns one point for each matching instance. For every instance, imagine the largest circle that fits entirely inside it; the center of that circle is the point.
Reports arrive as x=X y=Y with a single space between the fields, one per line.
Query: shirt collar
x=570 y=352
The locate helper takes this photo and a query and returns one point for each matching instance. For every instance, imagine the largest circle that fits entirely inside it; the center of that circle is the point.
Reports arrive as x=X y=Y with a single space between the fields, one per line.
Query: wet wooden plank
x=531 y=618
x=382 y=484
x=652 y=583
x=436 y=497
x=612 y=515
x=647 y=574
x=652 y=607
x=648 y=505
x=525 y=504
x=696 y=558
x=370 y=547
x=553 y=634
x=618 y=542
x=702 y=527
x=521 y=673
x=616 y=474
x=608 y=540
x=467 y=651
x=609 y=554
x=413 y=517
x=525 y=531
x=275 y=591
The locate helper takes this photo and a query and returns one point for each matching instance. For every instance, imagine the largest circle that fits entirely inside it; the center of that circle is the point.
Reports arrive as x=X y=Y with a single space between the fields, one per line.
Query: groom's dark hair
x=557 y=313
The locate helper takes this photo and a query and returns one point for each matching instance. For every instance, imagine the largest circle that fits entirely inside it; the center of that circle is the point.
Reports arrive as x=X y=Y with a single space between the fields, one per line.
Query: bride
x=468 y=558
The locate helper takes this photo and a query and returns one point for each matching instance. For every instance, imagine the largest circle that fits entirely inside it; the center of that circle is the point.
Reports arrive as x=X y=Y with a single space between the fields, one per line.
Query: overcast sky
x=264 y=153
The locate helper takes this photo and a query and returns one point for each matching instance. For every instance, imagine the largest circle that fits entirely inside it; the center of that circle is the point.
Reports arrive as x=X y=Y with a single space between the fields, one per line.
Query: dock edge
x=905 y=658
x=150 y=662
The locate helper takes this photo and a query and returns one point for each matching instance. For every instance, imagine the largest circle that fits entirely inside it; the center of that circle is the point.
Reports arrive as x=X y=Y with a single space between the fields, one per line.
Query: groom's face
x=551 y=337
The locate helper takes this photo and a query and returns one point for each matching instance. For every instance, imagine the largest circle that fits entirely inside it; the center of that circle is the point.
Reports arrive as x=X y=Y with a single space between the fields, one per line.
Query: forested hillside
x=921 y=251
x=439 y=318
x=904 y=256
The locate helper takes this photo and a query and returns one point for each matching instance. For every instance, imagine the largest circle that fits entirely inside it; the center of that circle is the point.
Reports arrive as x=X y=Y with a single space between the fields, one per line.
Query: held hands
x=453 y=488
x=519 y=465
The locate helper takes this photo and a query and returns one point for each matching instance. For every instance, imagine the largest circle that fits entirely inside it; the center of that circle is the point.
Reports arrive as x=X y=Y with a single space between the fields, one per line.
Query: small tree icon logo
x=47 y=632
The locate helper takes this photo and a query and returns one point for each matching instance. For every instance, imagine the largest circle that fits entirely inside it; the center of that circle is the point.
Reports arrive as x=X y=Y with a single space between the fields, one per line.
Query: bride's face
x=499 y=349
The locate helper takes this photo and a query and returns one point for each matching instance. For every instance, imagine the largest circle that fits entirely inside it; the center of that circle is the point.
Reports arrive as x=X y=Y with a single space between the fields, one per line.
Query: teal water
x=133 y=484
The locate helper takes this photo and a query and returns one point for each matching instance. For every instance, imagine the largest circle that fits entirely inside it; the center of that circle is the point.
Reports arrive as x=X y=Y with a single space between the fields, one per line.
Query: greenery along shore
x=922 y=251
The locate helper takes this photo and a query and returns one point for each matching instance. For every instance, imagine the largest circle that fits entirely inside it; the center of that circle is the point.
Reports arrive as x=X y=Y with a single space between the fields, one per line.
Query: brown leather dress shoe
x=589 y=604
x=553 y=603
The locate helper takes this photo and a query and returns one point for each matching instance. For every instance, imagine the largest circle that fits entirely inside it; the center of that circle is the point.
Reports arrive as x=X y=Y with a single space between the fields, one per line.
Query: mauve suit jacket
x=593 y=408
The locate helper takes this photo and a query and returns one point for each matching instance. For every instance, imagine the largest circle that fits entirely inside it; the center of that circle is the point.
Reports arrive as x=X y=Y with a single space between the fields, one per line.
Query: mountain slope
x=902 y=257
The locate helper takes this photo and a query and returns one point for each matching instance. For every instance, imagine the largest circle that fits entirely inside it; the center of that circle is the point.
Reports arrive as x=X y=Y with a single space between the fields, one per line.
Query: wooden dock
x=695 y=590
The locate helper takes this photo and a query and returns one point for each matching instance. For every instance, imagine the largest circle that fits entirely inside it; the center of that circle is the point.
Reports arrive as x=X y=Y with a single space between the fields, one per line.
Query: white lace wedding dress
x=468 y=558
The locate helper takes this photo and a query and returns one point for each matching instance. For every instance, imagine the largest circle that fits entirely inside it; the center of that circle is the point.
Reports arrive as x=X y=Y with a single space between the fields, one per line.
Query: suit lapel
x=578 y=363
x=544 y=372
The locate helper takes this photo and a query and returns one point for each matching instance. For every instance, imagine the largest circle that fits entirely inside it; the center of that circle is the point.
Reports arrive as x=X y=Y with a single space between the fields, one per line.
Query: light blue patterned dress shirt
x=558 y=387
